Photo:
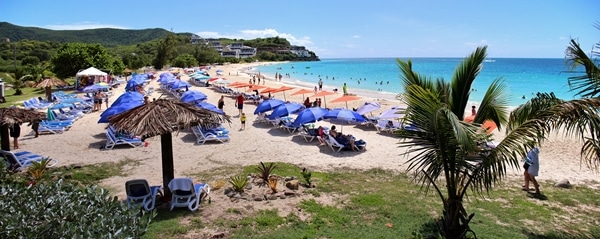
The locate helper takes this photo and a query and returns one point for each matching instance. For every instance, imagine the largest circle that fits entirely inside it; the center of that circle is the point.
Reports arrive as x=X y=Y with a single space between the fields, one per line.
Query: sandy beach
x=81 y=144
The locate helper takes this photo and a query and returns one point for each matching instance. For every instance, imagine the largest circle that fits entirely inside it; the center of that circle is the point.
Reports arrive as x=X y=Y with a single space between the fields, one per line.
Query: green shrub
x=63 y=210
x=265 y=170
x=238 y=182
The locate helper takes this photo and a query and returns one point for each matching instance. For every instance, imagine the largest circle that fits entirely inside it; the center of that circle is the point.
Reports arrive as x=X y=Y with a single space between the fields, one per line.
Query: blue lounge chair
x=139 y=191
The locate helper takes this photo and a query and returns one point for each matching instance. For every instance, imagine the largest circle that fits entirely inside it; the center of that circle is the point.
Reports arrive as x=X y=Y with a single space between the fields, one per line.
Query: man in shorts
x=239 y=103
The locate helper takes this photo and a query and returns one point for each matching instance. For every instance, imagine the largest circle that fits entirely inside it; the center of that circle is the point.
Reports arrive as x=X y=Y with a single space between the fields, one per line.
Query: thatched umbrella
x=48 y=83
x=14 y=115
x=162 y=117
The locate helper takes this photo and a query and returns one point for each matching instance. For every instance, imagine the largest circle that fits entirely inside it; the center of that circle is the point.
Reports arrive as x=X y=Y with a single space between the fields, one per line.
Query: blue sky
x=341 y=29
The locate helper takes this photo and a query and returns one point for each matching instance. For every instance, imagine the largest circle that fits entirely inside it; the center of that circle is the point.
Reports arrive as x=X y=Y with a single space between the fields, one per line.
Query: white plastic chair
x=187 y=194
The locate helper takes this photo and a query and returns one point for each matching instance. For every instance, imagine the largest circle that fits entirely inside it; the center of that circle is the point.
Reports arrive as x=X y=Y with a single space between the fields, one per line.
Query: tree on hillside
x=185 y=60
x=205 y=54
x=164 y=51
x=72 y=57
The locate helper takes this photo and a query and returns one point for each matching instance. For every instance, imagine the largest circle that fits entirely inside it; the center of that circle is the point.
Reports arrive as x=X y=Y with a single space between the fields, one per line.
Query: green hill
x=108 y=37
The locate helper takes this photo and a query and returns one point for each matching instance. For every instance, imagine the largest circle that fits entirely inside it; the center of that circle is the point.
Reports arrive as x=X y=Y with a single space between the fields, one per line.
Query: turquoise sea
x=370 y=76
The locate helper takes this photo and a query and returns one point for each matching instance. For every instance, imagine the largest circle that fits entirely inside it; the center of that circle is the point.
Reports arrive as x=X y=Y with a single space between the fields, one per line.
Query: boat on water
x=489 y=60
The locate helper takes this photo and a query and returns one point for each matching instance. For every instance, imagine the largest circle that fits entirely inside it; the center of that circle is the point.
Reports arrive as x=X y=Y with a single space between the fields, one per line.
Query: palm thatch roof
x=50 y=82
x=164 y=116
x=12 y=115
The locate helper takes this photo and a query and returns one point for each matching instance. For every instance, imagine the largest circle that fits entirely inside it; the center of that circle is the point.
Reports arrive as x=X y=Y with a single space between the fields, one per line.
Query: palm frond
x=494 y=105
x=542 y=101
x=463 y=78
x=587 y=85
x=410 y=77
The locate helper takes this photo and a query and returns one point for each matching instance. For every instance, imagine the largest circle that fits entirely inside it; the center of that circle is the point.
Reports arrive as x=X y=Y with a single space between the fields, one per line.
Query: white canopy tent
x=92 y=71
x=90 y=76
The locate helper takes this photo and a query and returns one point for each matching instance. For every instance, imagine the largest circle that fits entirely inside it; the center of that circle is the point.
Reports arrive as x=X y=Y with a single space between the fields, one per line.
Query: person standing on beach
x=320 y=84
x=473 y=111
x=35 y=125
x=221 y=103
x=532 y=167
x=345 y=89
x=243 y=121
x=15 y=133
x=239 y=103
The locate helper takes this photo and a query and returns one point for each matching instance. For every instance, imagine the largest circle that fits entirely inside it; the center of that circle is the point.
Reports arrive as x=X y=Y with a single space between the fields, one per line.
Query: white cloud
x=83 y=26
x=356 y=36
x=253 y=34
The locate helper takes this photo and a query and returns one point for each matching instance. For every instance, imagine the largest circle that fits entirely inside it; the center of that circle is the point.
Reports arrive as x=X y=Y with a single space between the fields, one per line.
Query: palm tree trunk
x=48 y=93
x=166 y=147
x=5 y=138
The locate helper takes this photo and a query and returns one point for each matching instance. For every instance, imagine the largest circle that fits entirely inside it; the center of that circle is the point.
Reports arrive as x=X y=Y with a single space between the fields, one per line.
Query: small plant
x=265 y=171
x=38 y=168
x=307 y=176
x=238 y=183
x=273 y=183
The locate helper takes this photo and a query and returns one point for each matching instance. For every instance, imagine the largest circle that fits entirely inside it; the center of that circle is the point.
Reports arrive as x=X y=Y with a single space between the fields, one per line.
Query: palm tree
x=446 y=148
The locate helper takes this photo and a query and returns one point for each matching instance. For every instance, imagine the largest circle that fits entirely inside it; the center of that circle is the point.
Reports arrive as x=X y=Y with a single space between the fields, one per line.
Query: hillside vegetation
x=107 y=37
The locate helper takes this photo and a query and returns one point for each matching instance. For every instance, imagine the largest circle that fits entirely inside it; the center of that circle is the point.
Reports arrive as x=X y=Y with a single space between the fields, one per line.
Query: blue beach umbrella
x=179 y=84
x=133 y=83
x=285 y=110
x=344 y=116
x=309 y=115
x=117 y=109
x=165 y=79
x=193 y=96
x=128 y=97
x=50 y=115
x=267 y=105
x=209 y=106
x=94 y=88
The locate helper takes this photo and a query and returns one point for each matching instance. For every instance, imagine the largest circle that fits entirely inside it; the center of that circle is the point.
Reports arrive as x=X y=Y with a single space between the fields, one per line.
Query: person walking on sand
x=35 y=126
x=243 y=121
x=532 y=167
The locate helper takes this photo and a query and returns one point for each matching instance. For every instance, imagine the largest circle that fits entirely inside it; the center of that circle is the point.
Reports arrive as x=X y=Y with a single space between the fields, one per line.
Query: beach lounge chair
x=309 y=134
x=113 y=139
x=203 y=135
x=337 y=147
x=187 y=194
x=23 y=159
x=51 y=129
x=139 y=191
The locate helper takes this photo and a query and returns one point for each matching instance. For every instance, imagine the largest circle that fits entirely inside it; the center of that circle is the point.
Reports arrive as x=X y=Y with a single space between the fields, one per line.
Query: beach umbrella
x=209 y=106
x=285 y=110
x=222 y=81
x=267 y=105
x=50 y=115
x=255 y=87
x=47 y=83
x=192 y=96
x=14 y=115
x=344 y=116
x=165 y=78
x=242 y=85
x=309 y=115
x=393 y=113
x=179 y=84
x=117 y=109
x=345 y=98
x=163 y=117
x=282 y=89
x=323 y=94
x=128 y=96
x=302 y=92
x=268 y=89
x=368 y=107
x=94 y=88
